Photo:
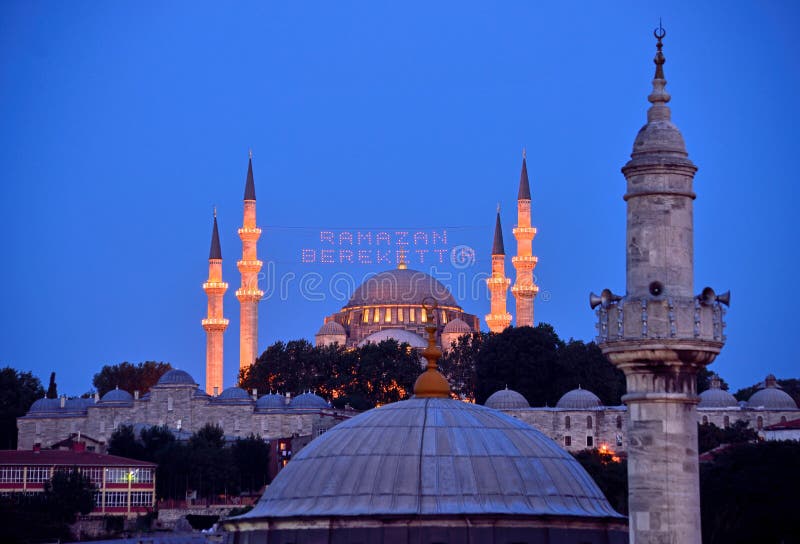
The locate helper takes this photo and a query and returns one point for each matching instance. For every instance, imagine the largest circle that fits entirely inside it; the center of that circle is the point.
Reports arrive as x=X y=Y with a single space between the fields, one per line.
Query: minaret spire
x=498 y=318
x=524 y=261
x=215 y=322
x=249 y=294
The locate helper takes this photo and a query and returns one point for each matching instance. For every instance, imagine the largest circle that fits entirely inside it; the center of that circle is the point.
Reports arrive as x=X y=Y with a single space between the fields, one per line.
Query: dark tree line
x=18 y=390
x=130 y=377
x=205 y=464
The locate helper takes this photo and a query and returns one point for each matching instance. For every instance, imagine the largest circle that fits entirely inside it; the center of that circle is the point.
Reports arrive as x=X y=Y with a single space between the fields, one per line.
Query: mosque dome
x=235 y=395
x=431 y=457
x=176 y=377
x=45 y=405
x=457 y=326
x=771 y=397
x=716 y=397
x=506 y=399
x=401 y=286
x=308 y=401
x=271 y=401
x=401 y=335
x=331 y=327
x=579 y=399
x=52 y=407
x=117 y=396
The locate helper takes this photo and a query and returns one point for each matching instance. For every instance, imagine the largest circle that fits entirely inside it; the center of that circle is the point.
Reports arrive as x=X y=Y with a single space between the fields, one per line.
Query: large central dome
x=401 y=286
x=431 y=456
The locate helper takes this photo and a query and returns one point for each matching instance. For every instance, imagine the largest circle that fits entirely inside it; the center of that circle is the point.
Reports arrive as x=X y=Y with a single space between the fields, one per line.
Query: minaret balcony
x=215 y=287
x=249 y=233
x=524 y=233
x=525 y=290
x=215 y=324
x=249 y=266
x=524 y=261
x=498 y=282
x=249 y=295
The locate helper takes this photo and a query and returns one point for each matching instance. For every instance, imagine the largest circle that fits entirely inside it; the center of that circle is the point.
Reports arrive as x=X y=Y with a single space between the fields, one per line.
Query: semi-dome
x=771 y=397
x=308 y=401
x=458 y=326
x=176 y=377
x=716 y=397
x=330 y=328
x=579 y=399
x=233 y=394
x=431 y=457
x=506 y=399
x=400 y=335
x=401 y=286
x=270 y=401
x=117 y=396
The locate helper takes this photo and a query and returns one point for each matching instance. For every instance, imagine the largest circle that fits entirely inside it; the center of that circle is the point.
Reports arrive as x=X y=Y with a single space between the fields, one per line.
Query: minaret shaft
x=215 y=322
x=249 y=294
x=524 y=262
x=498 y=317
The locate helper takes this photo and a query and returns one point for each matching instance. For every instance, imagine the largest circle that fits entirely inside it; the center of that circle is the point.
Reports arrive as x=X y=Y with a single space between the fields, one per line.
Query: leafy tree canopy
x=18 y=390
x=130 y=377
x=69 y=493
x=123 y=442
x=611 y=475
x=709 y=436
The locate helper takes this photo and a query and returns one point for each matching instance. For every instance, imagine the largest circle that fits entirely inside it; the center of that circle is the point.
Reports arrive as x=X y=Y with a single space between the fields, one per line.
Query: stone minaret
x=498 y=318
x=215 y=322
x=524 y=262
x=659 y=333
x=249 y=294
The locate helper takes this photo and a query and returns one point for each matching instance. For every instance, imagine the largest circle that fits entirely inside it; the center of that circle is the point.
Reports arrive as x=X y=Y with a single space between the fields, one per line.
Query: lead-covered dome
x=771 y=397
x=579 y=399
x=716 y=397
x=117 y=396
x=308 y=401
x=431 y=457
x=399 y=335
x=271 y=401
x=233 y=395
x=457 y=326
x=506 y=399
x=399 y=287
x=330 y=328
x=176 y=377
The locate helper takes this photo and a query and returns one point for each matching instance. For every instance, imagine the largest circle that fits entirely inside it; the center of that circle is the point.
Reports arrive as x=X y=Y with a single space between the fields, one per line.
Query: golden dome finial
x=401 y=262
x=431 y=383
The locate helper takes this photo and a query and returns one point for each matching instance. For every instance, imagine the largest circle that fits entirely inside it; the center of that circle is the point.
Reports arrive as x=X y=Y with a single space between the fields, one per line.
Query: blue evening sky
x=124 y=123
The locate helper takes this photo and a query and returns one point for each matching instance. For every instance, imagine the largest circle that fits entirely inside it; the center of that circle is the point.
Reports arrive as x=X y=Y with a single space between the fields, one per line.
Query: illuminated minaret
x=524 y=262
x=498 y=318
x=249 y=294
x=214 y=323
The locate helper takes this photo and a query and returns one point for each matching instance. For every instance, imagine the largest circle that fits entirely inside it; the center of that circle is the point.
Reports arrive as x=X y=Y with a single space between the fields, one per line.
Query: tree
x=251 y=457
x=211 y=467
x=123 y=442
x=584 y=365
x=709 y=436
x=610 y=473
x=18 y=390
x=129 y=377
x=704 y=377
x=69 y=493
x=459 y=364
x=749 y=494
x=52 y=388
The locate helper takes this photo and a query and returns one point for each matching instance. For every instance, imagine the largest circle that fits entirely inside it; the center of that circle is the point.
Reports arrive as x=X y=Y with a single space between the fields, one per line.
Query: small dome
x=330 y=328
x=45 y=405
x=431 y=457
x=401 y=286
x=456 y=326
x=233 y=394
x=716 y=397
x=506 y=399
x=400 y=335
x=53 y=406
x=308 y=401
x=771 y=397
x=579 y=399
x=272 y=401
x=117 y=396
x=176 y=377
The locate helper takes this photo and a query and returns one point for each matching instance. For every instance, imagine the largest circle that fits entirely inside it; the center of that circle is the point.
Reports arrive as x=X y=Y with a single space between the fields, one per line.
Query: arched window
x=169 y=404
x=567 y=441
x=619 y=422
x=760 y=423
x=705 y=420
x=726 y=422
x=589 y=441
x=589 y=422
x=567 y=422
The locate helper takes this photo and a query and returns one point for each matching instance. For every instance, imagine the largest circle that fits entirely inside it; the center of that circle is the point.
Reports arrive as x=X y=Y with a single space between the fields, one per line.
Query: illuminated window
x=377 y=316
x=412 y=315
x=366 y=316
x=388 y=317
x=619 y=439
x=589 y=441
x=567 y=441
x=400 y=314
x=145 y=475
x=116 y=499
x=567 y=422
x=38 y=475
x=141 y=498
x=11 y=475
x=589 y=422
x=444 y=317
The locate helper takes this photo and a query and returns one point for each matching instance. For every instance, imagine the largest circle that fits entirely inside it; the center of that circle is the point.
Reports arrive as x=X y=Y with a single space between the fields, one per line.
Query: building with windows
x=123 y=486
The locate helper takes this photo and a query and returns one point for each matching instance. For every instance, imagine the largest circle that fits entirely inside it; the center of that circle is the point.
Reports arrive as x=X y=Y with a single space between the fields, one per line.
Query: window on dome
x=412 y=315
x=424 y=316
x=567 y=441
x=366 y=315
x=377 y=318
x=388 y=317
x=400 y=314
x=567 y=422
x=589 y=441
x=444 y=317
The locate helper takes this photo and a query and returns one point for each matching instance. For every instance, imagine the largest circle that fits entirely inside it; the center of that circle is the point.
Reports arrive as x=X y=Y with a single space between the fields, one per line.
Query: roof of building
x=66 y=457
x=579 y=399
x=771 y=398
x=457 y=326
x=176 y=377
x=716 y=397
x=235 y=395
x=250 y=185
x=52 y=407
x=784 y=426
x=400 y=335
x=331 y=328
x=401 y=286
x=117 y=396
x=506 y=399
x=308 y=401
x=271 y=401
x=432 y=456
x=498 y=248
x=524 y=185
x=216 y=249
